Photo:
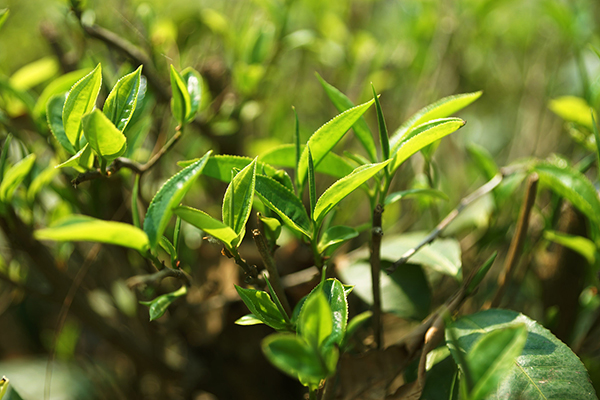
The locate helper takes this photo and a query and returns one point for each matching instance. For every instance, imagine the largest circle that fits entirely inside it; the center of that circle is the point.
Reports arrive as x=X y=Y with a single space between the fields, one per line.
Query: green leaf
x=284 y=203
x=354 y=325
x=271 y=226
x=573 y=109
x=4 y=13
x=384 y=140
x=421 y=136
x=343 y=103
x=181 y=103
x=483 y=159
x=248 y=320
x=580 y=244
x=34 y=73
x=122 y=100
x=492 y=357
x=312 y=187
x=54 y=117
x=4 y=154
x=168 y=247
x=192 y=81
x=262 y=307
x=40 y=181
x=335 y=235
x=169 y=196
x=323 y=140
x=159 y=305
x=208 y=224
x=14 y=176
x=4 y=381
x=546 y=368
x=103 y=137
x=60 y=85
x=342 y=188
x=596 y=136
x=315 y=322
x=74 y=161
x=405 y=293
x=80 y=101
x=294 y=356
x=440 y=109
x=573 y=186
x=335 y=294
x=396 y=196
x=283 y=156
x=481 y=273
x=80 y=228
x=237 y=203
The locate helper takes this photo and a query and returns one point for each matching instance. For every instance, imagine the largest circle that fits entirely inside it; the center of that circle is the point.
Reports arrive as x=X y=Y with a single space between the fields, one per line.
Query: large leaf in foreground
x=122 y=100
x=169 y=196
x=323 y=140
x=77 y=228
x=208 y=224
x=546 y=368
x=573 y=186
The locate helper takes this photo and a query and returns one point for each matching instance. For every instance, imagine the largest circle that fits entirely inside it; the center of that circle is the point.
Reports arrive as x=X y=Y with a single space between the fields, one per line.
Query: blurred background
x=258 y=59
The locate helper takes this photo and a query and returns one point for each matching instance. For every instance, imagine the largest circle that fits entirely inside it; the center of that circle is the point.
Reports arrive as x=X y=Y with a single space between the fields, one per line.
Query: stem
x=481 y=191
x=376 y=234
x=271 y=267
x=250 y=270
x=155 y=278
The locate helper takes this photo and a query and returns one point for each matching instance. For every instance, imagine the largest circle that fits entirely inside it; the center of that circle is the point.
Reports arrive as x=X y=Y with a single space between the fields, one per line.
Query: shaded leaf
x=103 y=137
x=293 y=356
x=384 y=140
x=481 y=273
x=483 y=159
x=159 y=305
x=271 y=226
x=80 y=101
x=546 y=368
x=4 y=154
x=262 y=307
x=354 y=325
x=237 y=203
x=54 y=117
x=169 y=196
x=14 y=176
x=335 y=235
x=396 y=196
x=208 y=224
x=75 y=228
x=122 y=100
x=40 y=181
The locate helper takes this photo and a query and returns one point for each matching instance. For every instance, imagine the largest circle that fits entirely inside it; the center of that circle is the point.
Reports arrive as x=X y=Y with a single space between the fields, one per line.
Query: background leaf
x=572 y=109
x=397 y=196
x=14 y=176
x=335 y=235
x=59 y=86
x=293 y=356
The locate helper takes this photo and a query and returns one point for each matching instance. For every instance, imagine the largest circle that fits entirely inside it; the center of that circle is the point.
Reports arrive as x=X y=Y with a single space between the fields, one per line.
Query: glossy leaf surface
x=237 y=203
x=169 y=196
x=315 y=322
x=122 y=100
x=335 y=294
x=180 y=102
x=103 y=137
x=159 y=305
x=248 y=320
x=14 y=176
x=262 y=307
x=208 y=224
x=54 y=117
x=77 y=228
x=192 y=81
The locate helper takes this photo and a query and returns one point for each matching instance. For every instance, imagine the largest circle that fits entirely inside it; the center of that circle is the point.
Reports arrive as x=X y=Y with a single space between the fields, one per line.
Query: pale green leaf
x=327 y=136
x=60 y=85
x=237 y=203
x=169 y=196
x=343 y=187
x=103 y=136
x=573 y=109
x=208 y=224
x=34 y=73
x=80 y=228
x=180 y=102
x=76 y=160
x=4 y=13
x=80 y=101
x=40 y=181
x=122 y=100
x=315 y=322
x=294 y=356
x=159 y=305
x=335 y=235
x=248 y=320
x=192 y=81
x=580 y=244
x=14 y=176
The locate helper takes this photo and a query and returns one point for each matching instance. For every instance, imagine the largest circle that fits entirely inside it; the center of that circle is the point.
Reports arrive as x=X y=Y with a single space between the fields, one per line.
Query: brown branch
x=155 y=278
x=481 y=191
x=516 y=245
x=274 y=278
x=375 y=259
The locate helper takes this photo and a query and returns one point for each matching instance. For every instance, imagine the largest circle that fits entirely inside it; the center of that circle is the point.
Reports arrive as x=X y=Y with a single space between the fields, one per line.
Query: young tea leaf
x=294 y=356
x=14 y=176
x=181 y=104
x=208 y=224
x=80 y=101
x=59 y=86
x=248 y=320
x=262 y=307
x=192 y=82
x=122 y=100
x=237 y=203
x=315 y=322
x=335 y=294
x=159 y=305
x=54 y=117
x=103 y=137
x=76 y=228
x=335 y=235
x=342 y=188
x=383 y=132
x=169 y=196
x=327 y=136
x=481 y=273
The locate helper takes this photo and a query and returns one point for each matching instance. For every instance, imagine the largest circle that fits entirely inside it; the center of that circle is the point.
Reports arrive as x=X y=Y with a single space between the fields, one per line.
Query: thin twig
x=250 y=270
x=482 y=191
x=376 y=234
x=274 y=278
x=155 y=278
x=516 y=245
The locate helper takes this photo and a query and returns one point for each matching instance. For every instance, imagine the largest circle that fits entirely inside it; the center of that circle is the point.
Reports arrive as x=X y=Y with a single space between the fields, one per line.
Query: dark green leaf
x=312 y=187
x=122 y=100
x=170 y=249
x=442 y=379
x=262 y=307
x=192 y=81
x=481 y=273
x=573 y=186
x=180 y=102
x=159 y=305
x=343 y=103
x=342 y=188
x=335 y=235
x=103 y=137
x=546 y=368
x=54 y=116
x=405 y=293
x=284 y=203
x=14 y=176
x=315 y=322
x=323 y=140
x=80 y=101
x=294 y=356
x=87 y=229
x=396 y=196
x=237 y=203
x=169 y=196
x=384 y=140
x=208 y=224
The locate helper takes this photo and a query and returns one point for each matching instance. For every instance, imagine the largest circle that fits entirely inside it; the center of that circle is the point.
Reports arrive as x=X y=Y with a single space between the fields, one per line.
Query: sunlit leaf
x=208 y=224
x=169 y=196
x=103 y=137
x=122 y=100
x=159 y=305
x=192 y=81
x=59 y=86
x=180 y=102
x=34 y=73
x=237 y=203
x=315 y=322
x=14 y=176
x=335 y=294
x=80 y=228
x=248 y=320
x=262 y=307
x=54 y=117
x=335 y=235
x=573 y=109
